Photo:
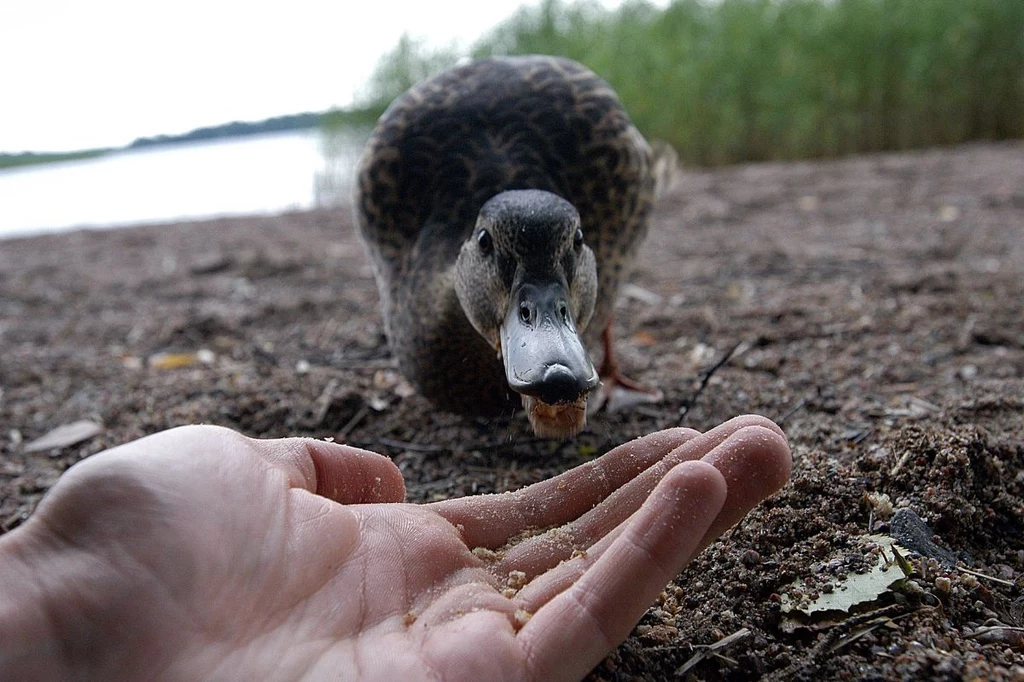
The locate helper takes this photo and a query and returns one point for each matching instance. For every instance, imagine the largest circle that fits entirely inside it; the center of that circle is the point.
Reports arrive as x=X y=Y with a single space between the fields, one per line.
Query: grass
x=740 y=80
x=409 y=62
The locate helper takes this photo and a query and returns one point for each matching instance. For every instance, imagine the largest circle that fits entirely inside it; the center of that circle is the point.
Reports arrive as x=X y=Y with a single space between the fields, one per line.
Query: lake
x=259 y=174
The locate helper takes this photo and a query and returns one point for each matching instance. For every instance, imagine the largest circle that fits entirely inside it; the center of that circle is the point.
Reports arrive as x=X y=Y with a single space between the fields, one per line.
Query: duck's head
x=528 y=283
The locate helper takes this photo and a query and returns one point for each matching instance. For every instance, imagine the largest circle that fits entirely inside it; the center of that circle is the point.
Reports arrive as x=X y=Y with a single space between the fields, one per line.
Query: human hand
x=197 y=553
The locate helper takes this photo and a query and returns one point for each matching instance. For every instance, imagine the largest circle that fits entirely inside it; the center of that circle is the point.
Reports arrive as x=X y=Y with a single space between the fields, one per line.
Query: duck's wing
x=452 y=142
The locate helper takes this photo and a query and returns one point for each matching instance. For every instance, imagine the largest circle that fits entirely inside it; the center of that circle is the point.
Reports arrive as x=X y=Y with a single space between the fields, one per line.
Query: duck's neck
x=439 y=350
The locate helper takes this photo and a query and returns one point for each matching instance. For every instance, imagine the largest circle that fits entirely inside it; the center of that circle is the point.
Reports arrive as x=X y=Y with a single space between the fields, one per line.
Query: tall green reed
x=738 y=80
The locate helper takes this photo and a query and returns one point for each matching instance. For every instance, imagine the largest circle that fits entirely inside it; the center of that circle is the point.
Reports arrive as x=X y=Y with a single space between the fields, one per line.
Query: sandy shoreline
x=878 y=304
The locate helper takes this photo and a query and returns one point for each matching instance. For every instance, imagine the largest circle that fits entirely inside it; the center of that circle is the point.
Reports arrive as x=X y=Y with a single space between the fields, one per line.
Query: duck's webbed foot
x=617 y=391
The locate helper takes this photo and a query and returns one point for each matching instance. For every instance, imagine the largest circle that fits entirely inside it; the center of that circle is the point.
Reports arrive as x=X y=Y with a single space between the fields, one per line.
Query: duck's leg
x=617 y=391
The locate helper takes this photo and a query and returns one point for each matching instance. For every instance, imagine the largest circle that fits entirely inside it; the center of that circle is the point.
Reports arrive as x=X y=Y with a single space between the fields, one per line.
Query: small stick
x=356 y=418
x=1008 y=583
x=707 y=650
x=985 y=629
x=705 y=378
x=829 y=641
x=903 y=460
x=791 y=411
x=323 y=403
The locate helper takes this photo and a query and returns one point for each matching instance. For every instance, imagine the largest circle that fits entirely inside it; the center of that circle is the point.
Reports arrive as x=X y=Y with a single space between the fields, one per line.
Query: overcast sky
x=77 y=74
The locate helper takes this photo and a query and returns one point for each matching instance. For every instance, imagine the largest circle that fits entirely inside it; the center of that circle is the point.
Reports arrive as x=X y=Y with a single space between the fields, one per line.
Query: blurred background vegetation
x=748 y=80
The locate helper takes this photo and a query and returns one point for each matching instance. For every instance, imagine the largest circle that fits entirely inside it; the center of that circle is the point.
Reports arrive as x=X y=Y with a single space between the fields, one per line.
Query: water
x=261 y=174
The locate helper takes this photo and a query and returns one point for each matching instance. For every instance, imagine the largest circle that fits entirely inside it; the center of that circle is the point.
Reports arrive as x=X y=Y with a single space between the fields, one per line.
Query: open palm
x=198 y=553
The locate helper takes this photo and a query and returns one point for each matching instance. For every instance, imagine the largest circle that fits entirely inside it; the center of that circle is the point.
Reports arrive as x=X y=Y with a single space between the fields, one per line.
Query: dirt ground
x=874 y=307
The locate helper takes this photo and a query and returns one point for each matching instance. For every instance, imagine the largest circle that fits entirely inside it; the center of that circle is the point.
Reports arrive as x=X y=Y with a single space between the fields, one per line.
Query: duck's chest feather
x=437 y=348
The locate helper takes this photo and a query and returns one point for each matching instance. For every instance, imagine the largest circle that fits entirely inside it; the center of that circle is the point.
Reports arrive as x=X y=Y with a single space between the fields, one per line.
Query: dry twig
x=707 y=650
x=705 y=378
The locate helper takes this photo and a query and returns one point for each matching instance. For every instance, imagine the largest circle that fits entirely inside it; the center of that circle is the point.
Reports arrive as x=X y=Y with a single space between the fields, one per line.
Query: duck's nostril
x=524 y=313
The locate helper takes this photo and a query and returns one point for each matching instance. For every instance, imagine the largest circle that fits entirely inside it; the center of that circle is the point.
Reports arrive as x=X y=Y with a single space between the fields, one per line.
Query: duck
x=501 y=204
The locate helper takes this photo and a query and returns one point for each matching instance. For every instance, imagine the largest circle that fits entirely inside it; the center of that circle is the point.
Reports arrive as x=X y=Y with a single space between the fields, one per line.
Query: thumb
x=338 y=472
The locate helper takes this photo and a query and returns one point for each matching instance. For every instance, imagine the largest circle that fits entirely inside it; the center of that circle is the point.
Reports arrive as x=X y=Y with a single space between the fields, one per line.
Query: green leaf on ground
x=853 y=589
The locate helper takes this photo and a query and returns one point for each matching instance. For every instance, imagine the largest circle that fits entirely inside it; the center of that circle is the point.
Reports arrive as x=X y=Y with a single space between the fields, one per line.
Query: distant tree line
x=277 y=124
x=33 y=158
x=356 y=116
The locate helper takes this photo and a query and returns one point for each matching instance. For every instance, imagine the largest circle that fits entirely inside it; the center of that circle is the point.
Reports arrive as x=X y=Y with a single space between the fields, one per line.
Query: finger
x=596 y=613
x=539 y=553
x=756 y=462
x=490 y=520
x=338 y=472
x=755 y=459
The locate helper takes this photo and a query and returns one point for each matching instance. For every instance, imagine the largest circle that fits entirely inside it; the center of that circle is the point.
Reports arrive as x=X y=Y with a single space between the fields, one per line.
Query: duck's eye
x=577 y=240
x=524 y=313
x=484 y=241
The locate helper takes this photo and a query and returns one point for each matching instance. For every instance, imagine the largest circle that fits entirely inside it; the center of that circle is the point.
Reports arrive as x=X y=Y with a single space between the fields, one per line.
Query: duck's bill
x=545 y=360
x=543 y=354
x=562 y=420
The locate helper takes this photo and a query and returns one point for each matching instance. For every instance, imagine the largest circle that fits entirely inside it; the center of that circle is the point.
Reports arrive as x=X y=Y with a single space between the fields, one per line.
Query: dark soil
x=874 y=307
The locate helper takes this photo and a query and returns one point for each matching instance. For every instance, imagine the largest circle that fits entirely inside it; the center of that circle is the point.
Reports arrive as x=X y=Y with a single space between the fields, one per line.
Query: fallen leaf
x=638 y=293
x=620 y=398
x=172 y=360
x=63 y=436
x=179 y=360
x=855 y=589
